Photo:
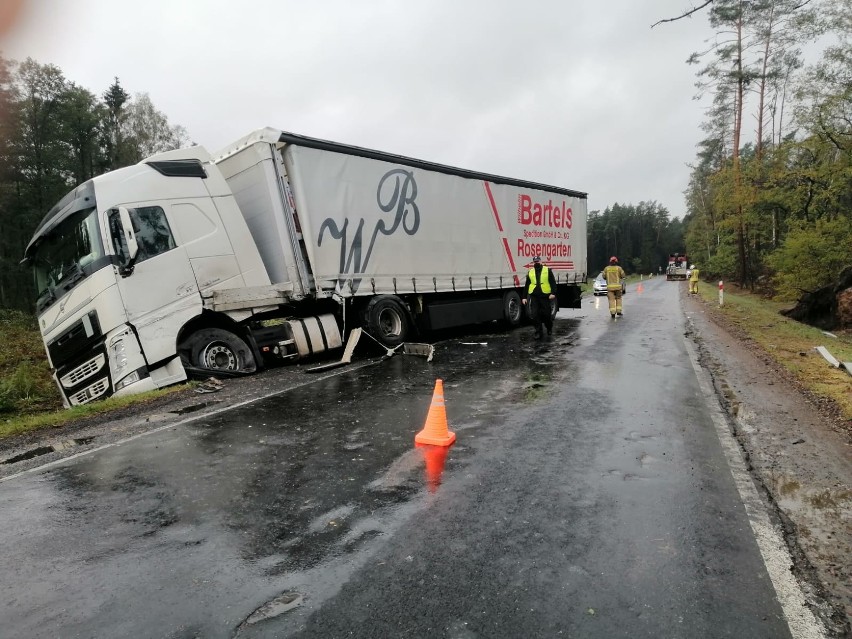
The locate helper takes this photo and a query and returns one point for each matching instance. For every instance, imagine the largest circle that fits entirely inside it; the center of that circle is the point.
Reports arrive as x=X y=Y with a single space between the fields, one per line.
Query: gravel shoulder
x=799 y=451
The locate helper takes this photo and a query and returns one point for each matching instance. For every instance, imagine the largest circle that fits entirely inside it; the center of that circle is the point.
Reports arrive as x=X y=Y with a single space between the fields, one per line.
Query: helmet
x=613 y=260
x=537 y=259
x=692 y=266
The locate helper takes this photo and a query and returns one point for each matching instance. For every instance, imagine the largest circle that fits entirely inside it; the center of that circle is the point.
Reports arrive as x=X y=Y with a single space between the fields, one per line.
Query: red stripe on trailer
x=508 y=254
x=493 y=206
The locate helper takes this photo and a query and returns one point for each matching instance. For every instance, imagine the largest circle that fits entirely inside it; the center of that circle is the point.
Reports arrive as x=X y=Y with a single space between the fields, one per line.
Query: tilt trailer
x=275 y=248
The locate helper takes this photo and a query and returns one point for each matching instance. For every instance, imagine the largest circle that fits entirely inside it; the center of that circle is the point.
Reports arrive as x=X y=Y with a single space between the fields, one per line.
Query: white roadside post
x=721 y=293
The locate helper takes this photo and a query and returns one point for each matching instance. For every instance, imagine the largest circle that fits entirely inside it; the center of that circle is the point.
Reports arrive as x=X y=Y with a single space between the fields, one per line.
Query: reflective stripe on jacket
x=545 y=280
x=613 y=276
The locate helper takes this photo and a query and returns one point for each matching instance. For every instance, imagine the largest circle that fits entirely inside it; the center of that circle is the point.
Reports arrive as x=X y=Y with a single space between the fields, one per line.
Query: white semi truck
x=276 y=248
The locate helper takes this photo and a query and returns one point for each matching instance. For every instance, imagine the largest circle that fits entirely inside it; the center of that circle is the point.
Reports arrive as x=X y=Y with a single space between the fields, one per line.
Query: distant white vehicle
x=599 y=286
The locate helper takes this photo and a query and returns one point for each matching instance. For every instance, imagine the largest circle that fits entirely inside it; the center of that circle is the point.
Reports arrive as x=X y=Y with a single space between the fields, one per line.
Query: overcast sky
x=578 y=94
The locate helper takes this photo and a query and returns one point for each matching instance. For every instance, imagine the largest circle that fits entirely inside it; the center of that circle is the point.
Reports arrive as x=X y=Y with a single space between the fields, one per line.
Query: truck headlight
x=117 y=358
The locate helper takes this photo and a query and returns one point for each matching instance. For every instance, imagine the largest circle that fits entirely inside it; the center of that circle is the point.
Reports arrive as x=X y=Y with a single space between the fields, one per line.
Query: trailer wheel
x=387 y=320
x=512 y=309
x=215 y=349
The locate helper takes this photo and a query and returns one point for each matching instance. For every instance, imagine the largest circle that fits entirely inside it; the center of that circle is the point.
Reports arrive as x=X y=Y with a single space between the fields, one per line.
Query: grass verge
x=788 y=342
x=29 y=399
x=23 y=423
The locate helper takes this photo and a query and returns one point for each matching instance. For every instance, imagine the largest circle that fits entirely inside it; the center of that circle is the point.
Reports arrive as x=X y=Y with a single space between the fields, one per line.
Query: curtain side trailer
x=274 y=248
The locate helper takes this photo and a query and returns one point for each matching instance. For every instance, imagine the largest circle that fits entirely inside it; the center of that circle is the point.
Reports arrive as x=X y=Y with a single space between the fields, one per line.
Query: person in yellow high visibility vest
x=539 y=289
x=614 y=276
x=693 y=279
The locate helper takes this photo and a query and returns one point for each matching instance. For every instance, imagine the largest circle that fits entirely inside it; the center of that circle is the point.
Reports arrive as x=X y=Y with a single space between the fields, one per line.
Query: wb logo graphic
x=395 y=194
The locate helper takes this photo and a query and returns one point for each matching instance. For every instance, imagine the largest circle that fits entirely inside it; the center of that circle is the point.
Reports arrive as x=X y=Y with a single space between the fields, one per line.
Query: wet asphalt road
x=586 y=496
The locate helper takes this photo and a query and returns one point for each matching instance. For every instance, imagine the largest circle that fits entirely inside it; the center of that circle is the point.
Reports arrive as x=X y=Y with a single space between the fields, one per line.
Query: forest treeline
x=640 y=235
x=769 y=203
x=55 y=134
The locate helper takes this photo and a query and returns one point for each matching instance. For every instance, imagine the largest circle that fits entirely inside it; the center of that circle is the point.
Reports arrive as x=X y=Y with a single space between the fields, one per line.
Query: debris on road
x=210 y=385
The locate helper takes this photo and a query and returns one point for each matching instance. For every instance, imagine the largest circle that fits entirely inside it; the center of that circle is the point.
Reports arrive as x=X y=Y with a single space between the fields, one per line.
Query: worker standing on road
x=540 y=288
x=614 y=276
x=693 y=279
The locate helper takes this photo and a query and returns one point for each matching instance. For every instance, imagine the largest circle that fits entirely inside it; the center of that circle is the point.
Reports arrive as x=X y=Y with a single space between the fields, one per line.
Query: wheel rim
x=390 y=323
x=514 y=310
x=219 y=356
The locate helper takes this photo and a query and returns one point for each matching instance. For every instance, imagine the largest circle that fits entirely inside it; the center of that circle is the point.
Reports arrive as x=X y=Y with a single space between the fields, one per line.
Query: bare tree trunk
x=738 y=123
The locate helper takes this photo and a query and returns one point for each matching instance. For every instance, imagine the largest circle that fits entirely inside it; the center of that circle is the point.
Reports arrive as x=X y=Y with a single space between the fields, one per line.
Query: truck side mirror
x=129 y=235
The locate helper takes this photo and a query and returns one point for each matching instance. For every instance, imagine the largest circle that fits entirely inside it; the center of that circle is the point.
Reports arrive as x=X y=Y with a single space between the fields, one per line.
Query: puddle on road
x=44 y=450
x=331 y=519
x=160 y=417
x=624 y=476
x=30 y=454
x=633 y=436
x=823 y=515
x=791 y=495
x=647 y=460
x=536 y=386
x=192 y=408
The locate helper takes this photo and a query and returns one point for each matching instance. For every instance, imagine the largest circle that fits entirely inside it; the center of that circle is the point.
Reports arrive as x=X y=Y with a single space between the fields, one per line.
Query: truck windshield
x=61 y=259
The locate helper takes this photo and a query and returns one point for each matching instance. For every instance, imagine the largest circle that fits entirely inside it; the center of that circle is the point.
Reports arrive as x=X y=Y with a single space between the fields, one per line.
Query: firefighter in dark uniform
x=539 y=289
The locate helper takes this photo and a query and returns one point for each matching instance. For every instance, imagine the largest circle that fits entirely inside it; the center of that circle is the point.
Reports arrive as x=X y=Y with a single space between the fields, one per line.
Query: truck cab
x=125 y=260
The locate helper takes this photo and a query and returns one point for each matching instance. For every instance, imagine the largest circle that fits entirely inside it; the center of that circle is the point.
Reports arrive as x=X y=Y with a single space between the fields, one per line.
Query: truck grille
x=84 y=335
x=92 y=392
x=83 y=371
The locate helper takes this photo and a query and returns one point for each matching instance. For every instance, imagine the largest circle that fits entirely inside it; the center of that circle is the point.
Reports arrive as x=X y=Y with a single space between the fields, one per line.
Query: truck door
x=158 y=285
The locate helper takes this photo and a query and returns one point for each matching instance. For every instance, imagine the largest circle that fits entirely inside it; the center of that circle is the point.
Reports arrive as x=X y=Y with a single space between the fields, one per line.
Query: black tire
x=513 y=310
x=387 y=320
x=218 y=350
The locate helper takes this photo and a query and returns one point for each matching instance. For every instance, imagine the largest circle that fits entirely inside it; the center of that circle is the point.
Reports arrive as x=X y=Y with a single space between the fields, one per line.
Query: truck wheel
x=215 y=349
x=512 y=309
x=387 y=320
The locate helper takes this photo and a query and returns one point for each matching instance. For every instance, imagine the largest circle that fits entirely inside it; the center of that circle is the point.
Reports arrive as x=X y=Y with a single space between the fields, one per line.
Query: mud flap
x=568 y=296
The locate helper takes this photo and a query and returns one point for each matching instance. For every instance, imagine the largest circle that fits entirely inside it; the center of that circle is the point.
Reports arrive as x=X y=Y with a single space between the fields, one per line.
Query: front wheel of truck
x=218 y=350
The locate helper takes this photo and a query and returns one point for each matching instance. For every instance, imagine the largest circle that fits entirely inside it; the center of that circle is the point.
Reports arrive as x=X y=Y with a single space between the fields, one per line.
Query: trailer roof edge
x=326 y=145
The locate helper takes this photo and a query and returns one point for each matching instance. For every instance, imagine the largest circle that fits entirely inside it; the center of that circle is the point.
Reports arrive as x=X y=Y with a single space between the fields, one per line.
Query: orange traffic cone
x=435 y=458
x=436 y=431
